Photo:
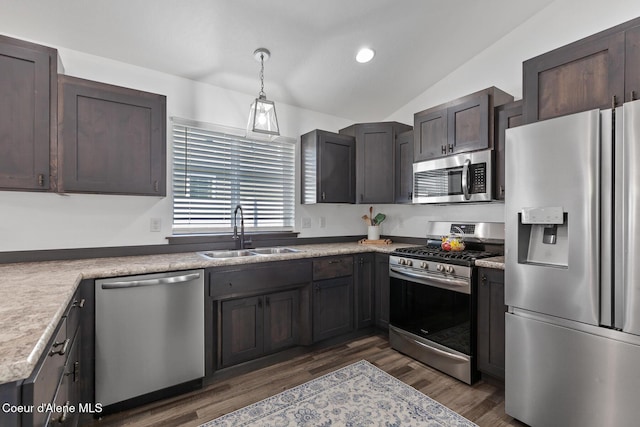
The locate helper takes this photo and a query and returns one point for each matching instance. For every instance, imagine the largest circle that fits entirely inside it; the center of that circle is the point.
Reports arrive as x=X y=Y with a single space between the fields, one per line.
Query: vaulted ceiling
x=313 y=44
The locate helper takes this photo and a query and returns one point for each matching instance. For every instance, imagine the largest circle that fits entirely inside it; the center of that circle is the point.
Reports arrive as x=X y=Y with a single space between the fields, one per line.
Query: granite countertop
x=493 y=262
x=35 y=294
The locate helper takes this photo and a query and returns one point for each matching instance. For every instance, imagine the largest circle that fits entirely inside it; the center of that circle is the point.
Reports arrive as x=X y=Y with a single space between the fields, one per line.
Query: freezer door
x=552 y=215
x=628 y=285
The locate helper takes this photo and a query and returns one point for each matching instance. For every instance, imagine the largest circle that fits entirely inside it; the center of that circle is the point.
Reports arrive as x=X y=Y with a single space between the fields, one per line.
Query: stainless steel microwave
x=464 y=177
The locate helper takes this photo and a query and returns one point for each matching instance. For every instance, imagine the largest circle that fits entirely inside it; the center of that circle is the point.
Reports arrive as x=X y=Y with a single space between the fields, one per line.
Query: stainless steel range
x=433 y=297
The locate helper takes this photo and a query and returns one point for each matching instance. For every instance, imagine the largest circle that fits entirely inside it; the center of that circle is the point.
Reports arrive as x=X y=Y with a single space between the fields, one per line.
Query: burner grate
x=435 y=254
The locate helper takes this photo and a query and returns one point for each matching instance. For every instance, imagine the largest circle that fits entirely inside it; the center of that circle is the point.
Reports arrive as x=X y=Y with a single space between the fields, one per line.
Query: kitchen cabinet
x=491 y=322
x=259 y=325
x=404 y=167
x=507 y=116
x=465 y=124
x=63 y=376
x=381 y=290
x=595 y=72
x=328 y=173
x=375 y=159
x=333 y=309
x=111 y=140
x=28 y=111
x=364 y=278
x=257 y=310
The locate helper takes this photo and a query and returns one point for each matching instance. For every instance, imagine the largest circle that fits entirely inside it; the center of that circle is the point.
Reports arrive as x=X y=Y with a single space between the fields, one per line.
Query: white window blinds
x=215 y=171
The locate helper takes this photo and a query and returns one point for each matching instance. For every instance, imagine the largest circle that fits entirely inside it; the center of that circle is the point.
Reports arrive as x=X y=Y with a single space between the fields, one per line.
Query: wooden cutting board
x=375 y=242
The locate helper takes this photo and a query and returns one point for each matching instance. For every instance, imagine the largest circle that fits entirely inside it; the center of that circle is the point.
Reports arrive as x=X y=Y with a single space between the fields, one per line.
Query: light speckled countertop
x=493 y=262
x=35 y=295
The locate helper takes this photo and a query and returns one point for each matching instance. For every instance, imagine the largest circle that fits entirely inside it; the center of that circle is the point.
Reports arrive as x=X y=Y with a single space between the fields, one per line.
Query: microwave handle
x=465 y=179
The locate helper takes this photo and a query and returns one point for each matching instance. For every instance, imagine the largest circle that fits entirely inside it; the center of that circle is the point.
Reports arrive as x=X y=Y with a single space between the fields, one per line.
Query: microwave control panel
x=478 y=175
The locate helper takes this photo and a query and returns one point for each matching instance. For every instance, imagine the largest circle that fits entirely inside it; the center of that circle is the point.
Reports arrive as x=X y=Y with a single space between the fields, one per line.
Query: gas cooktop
x=430 y=253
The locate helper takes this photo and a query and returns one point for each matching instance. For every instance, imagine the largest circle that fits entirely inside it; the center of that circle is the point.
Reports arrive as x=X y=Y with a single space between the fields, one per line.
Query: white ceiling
x=313 y=44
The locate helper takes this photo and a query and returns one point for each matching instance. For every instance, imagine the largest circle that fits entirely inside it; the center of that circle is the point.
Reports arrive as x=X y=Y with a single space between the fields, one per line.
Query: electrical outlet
x=323 y=222
x=155 y=225
x=306 y=222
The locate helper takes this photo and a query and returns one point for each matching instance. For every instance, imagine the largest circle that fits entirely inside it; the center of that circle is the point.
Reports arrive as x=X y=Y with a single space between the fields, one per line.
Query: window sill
x=226 y=238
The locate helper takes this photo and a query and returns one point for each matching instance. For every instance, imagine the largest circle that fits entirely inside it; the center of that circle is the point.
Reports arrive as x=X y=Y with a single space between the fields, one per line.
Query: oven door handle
x=440 y=280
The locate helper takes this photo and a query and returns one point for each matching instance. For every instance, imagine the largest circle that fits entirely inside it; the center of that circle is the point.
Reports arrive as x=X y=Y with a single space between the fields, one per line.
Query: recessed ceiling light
x=365 y=55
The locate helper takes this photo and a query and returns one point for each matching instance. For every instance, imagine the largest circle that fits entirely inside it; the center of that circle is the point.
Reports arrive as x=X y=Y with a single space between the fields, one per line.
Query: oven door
x=463 y=177
x=434 y=324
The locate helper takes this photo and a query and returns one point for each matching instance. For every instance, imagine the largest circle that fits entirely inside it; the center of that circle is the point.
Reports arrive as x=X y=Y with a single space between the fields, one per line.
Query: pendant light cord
x=262 y=76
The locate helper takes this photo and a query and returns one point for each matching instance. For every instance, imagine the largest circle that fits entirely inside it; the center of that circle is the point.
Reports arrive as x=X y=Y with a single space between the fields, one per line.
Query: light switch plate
x=155 y=225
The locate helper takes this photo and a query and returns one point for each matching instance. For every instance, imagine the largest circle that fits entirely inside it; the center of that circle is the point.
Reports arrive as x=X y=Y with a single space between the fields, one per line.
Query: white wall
x=31 y=221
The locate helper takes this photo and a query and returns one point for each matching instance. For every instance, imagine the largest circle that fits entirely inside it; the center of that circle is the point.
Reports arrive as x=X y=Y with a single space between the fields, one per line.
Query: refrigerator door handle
x=465 y=179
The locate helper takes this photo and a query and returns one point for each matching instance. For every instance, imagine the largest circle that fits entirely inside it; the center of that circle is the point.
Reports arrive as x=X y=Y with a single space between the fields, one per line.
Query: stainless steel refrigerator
x=572 y=276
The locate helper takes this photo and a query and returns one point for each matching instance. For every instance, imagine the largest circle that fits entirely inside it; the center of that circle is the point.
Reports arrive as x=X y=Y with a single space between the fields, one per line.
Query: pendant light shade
x=262 y=115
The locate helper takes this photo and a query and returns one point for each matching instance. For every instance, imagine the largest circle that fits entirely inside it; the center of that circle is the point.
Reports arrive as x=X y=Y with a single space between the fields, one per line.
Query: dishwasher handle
x=150 y=282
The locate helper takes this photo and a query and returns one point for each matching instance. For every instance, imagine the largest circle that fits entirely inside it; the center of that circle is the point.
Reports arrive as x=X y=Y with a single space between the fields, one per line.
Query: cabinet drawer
x=244 y=280
x=327 y=268
x=41 y=386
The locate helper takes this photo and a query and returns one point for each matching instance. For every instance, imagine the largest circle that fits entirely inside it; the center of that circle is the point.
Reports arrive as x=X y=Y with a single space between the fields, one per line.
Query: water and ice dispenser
x=543 y=236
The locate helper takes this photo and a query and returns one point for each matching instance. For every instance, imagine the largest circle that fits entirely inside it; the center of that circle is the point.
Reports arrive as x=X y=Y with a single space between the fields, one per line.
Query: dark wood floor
x=482 y=403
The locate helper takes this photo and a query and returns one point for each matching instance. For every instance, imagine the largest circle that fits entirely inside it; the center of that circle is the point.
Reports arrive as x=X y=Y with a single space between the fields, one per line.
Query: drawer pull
x=79 y=304
x=335 y=261
x=63 y=350
x=63 y=417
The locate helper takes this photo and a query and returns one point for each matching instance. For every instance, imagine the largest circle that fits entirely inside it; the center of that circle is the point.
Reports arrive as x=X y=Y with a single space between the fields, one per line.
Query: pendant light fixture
x=262 y=117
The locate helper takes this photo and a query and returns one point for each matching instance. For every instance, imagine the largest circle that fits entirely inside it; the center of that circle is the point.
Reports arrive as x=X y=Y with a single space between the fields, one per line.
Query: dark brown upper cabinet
x=404 y=167
x=328 y=162
x=507 y=116
x=111 y=140
x=465 y=124
x=28 y=87
x=375 y=159
x=599 y=71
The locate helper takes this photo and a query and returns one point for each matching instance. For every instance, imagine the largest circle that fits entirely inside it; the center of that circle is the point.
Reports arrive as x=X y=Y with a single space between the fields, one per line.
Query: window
x=215 y=170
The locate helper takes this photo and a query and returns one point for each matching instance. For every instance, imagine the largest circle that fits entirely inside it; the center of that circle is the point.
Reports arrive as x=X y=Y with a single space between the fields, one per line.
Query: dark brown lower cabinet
x=258 y=325
x=332 y=307
x=381 y=291
x=364 y=274
x=491 y=310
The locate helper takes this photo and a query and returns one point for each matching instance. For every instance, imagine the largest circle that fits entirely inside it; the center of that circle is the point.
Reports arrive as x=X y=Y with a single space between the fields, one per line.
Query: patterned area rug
x=356 y=395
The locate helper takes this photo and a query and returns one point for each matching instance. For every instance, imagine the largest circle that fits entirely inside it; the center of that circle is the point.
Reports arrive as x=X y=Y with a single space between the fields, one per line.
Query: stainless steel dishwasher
x=149 y=334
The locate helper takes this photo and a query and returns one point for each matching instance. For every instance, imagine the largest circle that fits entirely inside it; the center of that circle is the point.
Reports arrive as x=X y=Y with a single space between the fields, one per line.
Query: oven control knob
x=425 y=265
x=439 y=267
x=449 y=269
x=402 y=261
x=409 y=263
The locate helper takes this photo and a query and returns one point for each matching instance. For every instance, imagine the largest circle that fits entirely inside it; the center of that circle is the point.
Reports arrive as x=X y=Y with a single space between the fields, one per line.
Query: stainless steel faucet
x=239 y=241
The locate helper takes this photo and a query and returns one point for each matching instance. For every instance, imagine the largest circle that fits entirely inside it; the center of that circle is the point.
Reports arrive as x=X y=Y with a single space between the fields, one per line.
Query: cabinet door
x=281 y=320
x=374 y=163
x=578 y=77
x=26 y=111
x=491 y=311
x=111 y=139
x=430 y=135
x=507 y=116
x=632 y=64
x=332 y=307
x=337 y=175
x=468 y=125
x=242 y=330
x=364 y=285
x=382 y=291
x=404 y=167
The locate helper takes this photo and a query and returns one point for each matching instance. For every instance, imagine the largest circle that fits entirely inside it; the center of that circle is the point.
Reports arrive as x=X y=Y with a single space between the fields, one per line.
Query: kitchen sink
x=246 y=252
x=227 y=254
x=269 y=251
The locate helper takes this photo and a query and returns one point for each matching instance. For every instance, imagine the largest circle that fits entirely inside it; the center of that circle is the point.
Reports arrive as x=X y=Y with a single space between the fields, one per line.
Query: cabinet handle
x=443 y=148
x=78 y=304
x=410 y=195
x=324 y=196
x=614 y=101
x=63 y=417
x=63 y=350
x=483 y=279
x=41 y=180
x=361 y=197
x=335 y=261
x=451 y=148
x=156 y=186
x=633 y=95
x=501 y=190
